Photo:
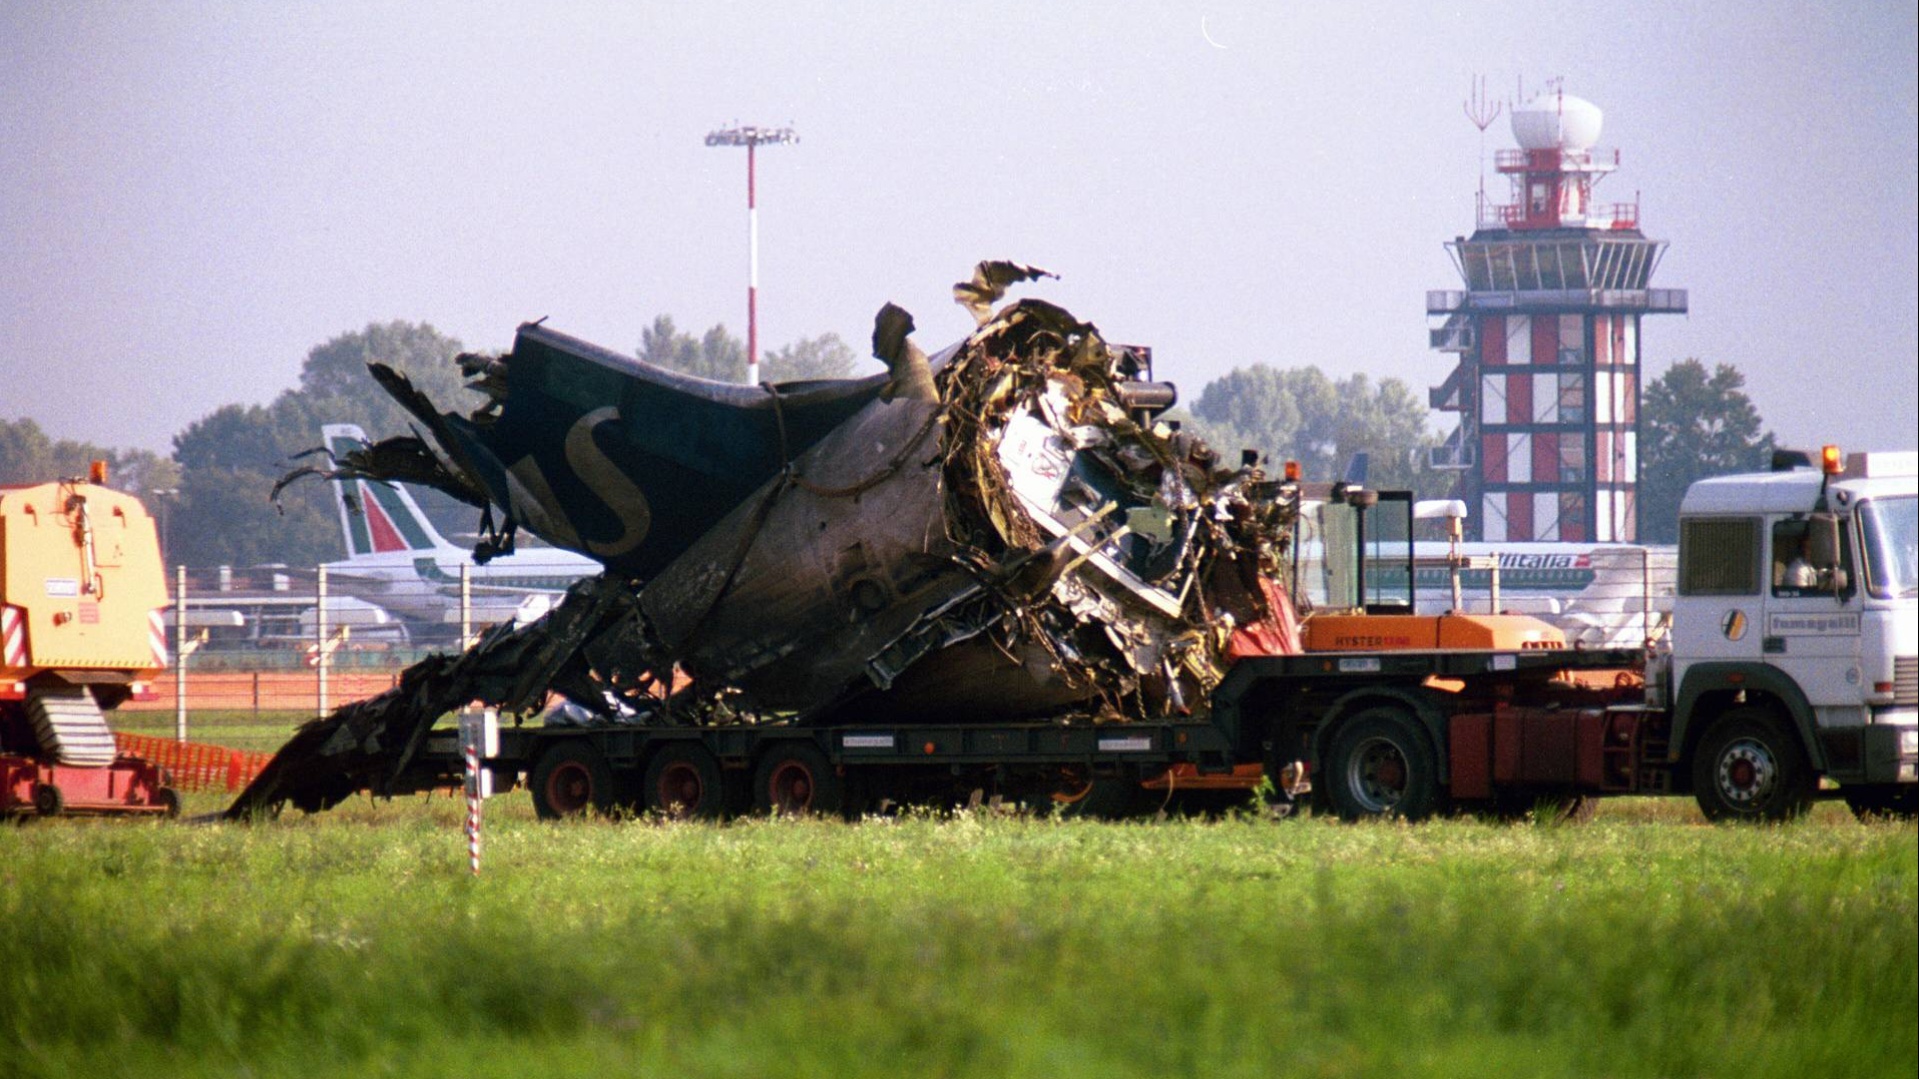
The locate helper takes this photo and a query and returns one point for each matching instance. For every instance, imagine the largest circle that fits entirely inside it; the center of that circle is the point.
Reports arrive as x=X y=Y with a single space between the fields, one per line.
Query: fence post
x=180 y=653
x=320 y=657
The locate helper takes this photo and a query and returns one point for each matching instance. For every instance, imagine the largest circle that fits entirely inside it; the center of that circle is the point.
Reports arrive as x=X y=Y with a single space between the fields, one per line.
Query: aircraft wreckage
x=1001 y=531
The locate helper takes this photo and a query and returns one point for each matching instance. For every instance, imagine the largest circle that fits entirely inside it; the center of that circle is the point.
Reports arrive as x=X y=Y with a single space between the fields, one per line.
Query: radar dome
x=1554 y=121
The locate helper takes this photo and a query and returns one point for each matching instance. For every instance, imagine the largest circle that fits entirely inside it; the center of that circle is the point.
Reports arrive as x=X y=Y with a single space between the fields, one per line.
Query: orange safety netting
x=195 y=766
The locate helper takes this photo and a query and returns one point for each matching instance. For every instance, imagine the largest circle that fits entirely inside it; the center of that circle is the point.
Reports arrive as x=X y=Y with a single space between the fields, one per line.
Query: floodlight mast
x=752 y=138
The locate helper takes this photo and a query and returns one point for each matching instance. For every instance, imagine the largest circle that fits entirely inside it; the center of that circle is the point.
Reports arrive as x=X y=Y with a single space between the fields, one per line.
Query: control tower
x=1547 y=338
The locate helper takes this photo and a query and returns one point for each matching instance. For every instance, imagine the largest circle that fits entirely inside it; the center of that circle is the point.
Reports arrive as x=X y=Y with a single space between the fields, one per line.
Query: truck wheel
x=1751 y=767
x=1899 y=801
x=683 y=782
x=795 y=779
x=570 y=779
x=1381 y=764
x=48 y=800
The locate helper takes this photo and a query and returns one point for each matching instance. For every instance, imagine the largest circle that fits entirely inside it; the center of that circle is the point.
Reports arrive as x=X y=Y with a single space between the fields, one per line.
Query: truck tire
x=683 y=781
x=1381 y=764
x=795 y=779
x=1897 y=801
x=1750 y=767
x=570 y=779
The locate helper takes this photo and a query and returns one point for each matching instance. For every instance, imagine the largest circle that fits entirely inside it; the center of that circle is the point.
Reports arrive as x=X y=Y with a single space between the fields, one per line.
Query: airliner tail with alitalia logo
x=397 y=559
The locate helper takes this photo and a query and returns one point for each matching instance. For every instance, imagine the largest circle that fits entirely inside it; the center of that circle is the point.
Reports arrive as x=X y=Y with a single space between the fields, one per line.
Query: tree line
x=210 y=495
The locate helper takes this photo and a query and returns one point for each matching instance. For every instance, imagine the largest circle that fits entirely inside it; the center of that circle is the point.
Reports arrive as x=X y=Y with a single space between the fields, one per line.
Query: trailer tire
x=48 y=800
x=168 y=799
x=683 y=781
x=570 y=779
x=1381 y=764
x=1751 y=767
x=1895 y=801
x=796 y=779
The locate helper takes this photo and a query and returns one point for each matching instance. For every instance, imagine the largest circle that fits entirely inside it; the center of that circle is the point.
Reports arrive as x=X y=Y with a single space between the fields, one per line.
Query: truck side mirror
x=1822 y=535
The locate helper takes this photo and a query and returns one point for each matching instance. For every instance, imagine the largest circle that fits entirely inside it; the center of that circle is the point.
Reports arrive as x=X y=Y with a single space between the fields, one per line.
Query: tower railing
x=1512 y=215
x=1659 y=301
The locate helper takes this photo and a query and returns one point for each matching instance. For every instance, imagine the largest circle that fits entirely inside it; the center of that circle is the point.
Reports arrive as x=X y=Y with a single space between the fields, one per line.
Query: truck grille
x=1905 y=681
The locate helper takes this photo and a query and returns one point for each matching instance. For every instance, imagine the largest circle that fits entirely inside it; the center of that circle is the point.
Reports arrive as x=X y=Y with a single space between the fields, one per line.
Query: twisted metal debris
x=1003 y=531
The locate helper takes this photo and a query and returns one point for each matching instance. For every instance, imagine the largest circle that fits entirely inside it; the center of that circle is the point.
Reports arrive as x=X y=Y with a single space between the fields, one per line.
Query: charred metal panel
x=792 y=593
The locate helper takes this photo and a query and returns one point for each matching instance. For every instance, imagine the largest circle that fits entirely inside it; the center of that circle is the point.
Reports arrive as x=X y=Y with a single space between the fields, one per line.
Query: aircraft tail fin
x=376 y=517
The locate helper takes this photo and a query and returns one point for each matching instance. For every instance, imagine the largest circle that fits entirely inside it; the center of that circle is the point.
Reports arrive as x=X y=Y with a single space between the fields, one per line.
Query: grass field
x=263 y=731
x=354 y=943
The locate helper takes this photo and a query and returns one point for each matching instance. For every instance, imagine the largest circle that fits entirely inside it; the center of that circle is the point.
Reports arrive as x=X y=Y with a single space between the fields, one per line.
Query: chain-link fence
x=254 y=653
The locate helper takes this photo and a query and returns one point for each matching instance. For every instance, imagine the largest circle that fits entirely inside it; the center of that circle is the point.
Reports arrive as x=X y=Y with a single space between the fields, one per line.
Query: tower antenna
x=1482 y=112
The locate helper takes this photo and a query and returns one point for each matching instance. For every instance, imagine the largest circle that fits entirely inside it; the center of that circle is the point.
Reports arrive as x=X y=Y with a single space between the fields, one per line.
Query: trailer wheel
x=1381 y=764
x=1898 y=801
x=683 y=781
x=570 y=779
x=795 y=779
x=1751 y=767
x=169 y=800
x=48 y=800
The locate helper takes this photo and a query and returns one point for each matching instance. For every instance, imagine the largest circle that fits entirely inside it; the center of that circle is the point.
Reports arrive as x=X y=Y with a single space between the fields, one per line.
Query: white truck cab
x=1795 y=636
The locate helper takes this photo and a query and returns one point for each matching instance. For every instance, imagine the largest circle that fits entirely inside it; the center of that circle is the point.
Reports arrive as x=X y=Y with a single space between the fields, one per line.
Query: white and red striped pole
x=752 y=138
x=479 y=739
x=752 y=272
x=473 y=806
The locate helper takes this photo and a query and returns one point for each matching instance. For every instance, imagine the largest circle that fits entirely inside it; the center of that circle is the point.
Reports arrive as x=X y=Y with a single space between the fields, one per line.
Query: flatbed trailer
x=1381 y=729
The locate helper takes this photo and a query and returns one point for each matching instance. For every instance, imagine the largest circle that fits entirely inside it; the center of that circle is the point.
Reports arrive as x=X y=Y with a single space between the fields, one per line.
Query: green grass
x=263 y=731
x=354 y=943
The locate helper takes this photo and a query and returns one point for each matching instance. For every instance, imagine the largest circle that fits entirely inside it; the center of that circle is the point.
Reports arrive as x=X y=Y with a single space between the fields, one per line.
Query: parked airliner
x=398 y=560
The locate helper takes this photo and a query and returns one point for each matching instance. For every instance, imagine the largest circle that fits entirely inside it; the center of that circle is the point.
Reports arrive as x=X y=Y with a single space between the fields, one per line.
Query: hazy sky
x=193 y=195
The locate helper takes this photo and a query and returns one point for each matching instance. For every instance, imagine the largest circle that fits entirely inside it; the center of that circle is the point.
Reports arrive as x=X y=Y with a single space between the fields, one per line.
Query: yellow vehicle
x=82 y=590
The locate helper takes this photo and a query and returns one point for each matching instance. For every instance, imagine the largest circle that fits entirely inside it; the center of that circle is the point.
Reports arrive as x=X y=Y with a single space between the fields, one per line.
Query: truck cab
x=1794 y=636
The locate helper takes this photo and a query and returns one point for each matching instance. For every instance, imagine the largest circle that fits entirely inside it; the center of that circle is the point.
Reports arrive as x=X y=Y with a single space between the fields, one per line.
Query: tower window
x=1572 y=398
x=1572 y=459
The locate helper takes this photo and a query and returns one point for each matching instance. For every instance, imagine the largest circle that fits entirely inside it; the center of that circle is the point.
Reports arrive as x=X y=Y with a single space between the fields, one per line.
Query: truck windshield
x=1891 y=531
x=1372 y=572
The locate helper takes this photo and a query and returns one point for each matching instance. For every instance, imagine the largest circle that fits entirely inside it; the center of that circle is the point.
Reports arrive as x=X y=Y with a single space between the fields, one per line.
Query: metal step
x=71 y=729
